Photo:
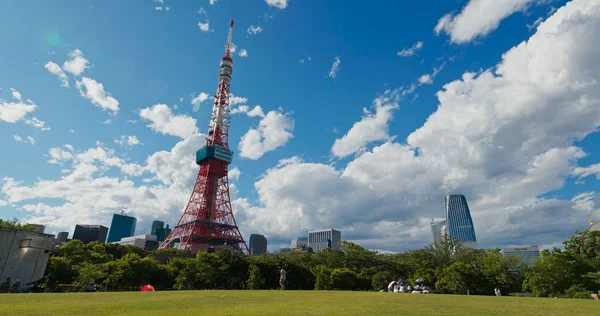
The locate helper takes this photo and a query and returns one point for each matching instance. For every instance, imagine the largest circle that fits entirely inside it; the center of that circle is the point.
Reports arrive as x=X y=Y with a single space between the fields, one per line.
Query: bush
x=577 y=291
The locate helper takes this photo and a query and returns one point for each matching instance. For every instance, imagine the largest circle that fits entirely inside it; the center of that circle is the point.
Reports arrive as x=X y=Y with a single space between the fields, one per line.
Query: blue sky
x=369 y=148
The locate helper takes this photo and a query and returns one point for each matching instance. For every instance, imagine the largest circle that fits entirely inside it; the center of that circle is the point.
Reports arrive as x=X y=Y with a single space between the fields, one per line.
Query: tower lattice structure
x=207 y=223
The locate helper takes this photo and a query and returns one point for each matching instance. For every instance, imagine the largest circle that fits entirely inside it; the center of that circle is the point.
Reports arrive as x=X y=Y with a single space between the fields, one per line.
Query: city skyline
x=367 y=134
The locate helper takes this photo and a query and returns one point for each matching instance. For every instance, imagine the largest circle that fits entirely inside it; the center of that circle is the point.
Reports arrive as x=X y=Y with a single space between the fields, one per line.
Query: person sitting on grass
x=16 y=288
x=4 y=287
x=91 y=287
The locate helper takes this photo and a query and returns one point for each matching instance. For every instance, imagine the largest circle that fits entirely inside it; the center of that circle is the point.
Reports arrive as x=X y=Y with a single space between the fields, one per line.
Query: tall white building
x=325 y=238
x=438 y=229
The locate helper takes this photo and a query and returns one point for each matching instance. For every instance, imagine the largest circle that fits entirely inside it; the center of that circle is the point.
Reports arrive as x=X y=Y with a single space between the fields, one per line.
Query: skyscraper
x=325 y=238
x=459 y=224
x=89 y=233
x=160 y=231
x=258 y=244
x=438 y=229
x=62 y=237
x=122 y=226
x=157 y=226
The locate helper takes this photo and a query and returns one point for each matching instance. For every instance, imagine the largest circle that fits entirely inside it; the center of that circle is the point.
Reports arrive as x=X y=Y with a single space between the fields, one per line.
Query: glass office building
x=527 y=254
x=258 y=244
x=160 y=231
x=89 y=233
x=157 y=227
x=459 y=224
x=122 y=226
x=326 y=238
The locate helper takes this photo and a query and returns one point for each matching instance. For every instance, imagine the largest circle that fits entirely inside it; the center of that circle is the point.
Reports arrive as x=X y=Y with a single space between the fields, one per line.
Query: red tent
x=148 y=288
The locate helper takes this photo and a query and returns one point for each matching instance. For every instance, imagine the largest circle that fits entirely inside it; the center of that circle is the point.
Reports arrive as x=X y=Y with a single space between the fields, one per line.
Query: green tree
x=441 y=253
x=381 y=280
x=89 y=272
x=458 y=278
x=429 y=274
x=322 y=276
x=74 y=250
x=59 y=271
x=343 y=279
x=496 y=270
x=255 y=279
x=116 y=272
x=585 y=244
x=554 y=272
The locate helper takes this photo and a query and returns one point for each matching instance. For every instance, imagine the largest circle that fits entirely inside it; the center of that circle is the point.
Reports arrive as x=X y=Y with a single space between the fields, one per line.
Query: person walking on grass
x=282 y=278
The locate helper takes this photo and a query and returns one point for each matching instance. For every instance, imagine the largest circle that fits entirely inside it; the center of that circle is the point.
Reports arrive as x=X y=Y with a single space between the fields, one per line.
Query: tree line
x=445 y=265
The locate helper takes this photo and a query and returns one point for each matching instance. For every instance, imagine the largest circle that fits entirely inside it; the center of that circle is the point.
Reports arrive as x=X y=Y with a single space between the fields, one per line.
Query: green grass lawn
x=285 y=303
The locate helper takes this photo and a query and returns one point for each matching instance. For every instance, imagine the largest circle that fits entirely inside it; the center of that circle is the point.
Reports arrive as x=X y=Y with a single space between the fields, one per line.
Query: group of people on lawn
x=402 y=286
x=8 y=286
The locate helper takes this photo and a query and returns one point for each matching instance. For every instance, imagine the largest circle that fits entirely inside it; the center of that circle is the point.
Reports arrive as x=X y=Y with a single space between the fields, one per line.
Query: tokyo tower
x=207 y=223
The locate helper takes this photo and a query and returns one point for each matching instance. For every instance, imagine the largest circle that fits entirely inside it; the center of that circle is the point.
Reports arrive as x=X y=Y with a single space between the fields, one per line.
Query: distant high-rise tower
x=459 y=224
x=121 y=226
x=207 y=223
x=438 y=229
x=159 y=230
x=326 y=238
x=89 y=233
x=157 y=226
x=258 y=244
x=62 y=237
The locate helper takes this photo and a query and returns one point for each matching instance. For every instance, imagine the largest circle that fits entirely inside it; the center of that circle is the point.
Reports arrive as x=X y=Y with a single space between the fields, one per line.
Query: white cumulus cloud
x=478 y=18
x=55 y=69
x=77 y=64
x=501 y=137
x=256 y=111
x=372 y=127
x=196 y=101
x=94 y=91
x=12 y=112
x=243 y=53
x=279 y=4
x=273 y=131
x=128 y=141
x=162 y=120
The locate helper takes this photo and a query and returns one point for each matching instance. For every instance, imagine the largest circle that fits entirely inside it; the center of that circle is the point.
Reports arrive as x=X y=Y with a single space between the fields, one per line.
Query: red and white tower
x=207 y=223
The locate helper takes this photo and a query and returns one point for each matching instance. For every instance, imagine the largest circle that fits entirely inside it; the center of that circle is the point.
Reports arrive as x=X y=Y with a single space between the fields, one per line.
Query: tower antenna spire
x=228 y=48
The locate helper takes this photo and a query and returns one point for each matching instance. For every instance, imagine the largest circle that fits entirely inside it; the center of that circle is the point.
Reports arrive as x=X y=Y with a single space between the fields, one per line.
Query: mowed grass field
x=285 y=303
